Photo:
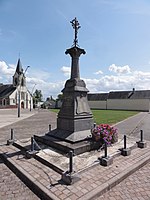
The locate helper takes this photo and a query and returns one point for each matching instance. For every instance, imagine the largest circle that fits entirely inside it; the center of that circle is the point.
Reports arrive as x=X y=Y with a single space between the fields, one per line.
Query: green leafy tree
x=37 y=96
x=60 y=97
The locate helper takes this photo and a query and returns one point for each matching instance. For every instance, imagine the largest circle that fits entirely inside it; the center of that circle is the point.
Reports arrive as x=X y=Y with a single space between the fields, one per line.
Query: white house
x=121 y=100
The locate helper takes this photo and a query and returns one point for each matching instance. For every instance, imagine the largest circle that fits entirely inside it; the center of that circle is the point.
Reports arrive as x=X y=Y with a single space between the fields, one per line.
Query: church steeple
x=19 y=77
x=19 y=69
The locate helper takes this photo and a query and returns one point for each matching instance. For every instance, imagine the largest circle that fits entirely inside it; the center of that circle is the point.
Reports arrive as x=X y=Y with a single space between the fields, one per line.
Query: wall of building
x=26 y=101
x=98 y=104
x=121 y=104
x=128 y=104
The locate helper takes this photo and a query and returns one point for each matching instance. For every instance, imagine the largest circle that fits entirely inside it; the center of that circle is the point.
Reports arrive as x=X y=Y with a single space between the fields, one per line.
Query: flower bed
x=105 y=133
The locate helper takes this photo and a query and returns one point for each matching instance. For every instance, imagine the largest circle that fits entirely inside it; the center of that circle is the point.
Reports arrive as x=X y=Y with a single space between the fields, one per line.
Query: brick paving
x=36 y=124
x=91 y=180
x=11 y=187
x=135 y=187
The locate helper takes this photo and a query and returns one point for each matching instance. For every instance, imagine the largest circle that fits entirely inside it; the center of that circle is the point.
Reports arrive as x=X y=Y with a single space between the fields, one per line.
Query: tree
x=60 y=97
x=37 y=97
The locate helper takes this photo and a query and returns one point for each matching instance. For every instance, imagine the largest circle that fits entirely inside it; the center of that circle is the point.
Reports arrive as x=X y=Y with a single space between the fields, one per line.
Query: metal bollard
x=105 y=160
x=12 y=134
x=105 y=148
x=69 y=177
x=32 y=152
x=141 y=143
x=125 y=151
x=50 y=128
x=11 y=140
x=32 y=143
x=141 y=135
x=70 y=161
x=125 y=141
x=94 y=125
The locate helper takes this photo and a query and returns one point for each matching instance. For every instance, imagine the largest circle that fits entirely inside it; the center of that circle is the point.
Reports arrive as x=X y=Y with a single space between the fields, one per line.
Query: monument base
x=64 y=146
x=69 y=136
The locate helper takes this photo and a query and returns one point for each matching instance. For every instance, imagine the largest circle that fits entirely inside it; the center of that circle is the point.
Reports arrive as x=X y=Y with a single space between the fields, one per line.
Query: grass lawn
x=108 y=116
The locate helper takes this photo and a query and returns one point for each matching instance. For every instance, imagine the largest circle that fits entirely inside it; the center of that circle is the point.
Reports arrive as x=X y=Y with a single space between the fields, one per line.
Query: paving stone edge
x=35 y=186
x=117 y=179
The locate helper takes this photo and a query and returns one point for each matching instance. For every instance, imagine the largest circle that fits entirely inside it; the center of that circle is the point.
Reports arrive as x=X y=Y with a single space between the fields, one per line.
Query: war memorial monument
x=75 y=119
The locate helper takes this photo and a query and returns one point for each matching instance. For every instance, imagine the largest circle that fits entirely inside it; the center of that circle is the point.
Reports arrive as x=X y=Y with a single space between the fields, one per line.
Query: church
x=16 y=94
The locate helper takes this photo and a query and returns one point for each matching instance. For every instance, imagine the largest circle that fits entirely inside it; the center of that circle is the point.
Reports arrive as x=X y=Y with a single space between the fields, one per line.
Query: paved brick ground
x=36 y=124
x=91 y=180
x=11 y=188
x=135 y=187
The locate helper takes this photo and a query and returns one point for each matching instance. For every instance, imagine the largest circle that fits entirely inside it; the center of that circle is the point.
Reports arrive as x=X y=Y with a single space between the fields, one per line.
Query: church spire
x=19 y=77
x=19 y=68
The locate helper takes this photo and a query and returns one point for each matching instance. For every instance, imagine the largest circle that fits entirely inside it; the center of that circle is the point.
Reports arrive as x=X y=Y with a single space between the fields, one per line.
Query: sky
x=114 y=33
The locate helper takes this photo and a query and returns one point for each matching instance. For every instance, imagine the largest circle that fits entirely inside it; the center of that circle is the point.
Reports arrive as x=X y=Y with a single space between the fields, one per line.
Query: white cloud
x=121 y=80
x=5 y=69
x=66 y=71
x=98 y=72
x=120 y=70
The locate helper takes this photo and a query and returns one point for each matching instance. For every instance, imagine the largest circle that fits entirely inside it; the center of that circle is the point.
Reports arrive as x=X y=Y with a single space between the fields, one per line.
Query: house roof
x=141 y=94
x=120 y=95
x=133 y=94
x=6 y=90
x=97 y=96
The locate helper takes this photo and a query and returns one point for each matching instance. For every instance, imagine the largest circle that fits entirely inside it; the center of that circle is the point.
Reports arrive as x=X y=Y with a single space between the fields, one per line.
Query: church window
x=22 y=82
x=4 y=102
x=22 y=96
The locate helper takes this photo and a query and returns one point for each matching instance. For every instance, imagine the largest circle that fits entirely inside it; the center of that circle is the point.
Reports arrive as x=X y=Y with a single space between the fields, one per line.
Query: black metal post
x=32 y=143
x=105 y=149
x=50 y=128
x=19 y=103
x=30 y=103
x=94 y=125
x=12 y=134
x=125 y=142
x=70 y=161
x=141 y=135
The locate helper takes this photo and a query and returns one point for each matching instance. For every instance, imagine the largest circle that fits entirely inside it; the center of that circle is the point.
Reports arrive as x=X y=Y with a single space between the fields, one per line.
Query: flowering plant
x=105 y=133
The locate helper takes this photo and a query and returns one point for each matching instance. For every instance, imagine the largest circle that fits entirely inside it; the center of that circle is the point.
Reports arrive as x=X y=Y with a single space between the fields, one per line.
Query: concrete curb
x=116 y=180
x=35 y=186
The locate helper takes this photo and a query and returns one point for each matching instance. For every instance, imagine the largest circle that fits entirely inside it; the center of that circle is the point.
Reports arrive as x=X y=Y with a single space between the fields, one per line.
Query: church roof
x=6 y=90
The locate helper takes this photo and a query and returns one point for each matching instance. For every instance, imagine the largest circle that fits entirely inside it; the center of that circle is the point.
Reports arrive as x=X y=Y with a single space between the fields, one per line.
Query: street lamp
x=19 y=91
x=32 y=94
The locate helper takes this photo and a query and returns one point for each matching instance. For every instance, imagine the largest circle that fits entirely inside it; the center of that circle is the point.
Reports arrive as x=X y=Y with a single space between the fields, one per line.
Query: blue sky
x=115 y=35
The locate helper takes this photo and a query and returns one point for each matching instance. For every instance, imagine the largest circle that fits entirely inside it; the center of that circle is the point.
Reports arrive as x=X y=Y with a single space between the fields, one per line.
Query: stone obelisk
x=75 y=118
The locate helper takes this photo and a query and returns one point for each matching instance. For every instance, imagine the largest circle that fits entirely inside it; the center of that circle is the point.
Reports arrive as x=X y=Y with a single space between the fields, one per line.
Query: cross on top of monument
x=76 y=26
